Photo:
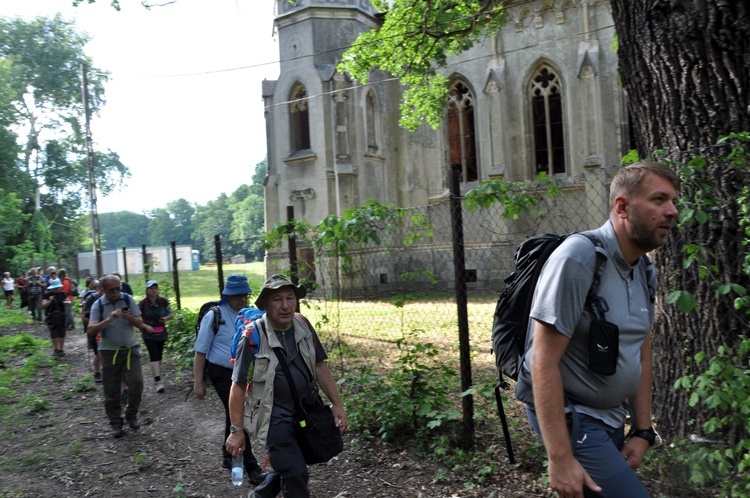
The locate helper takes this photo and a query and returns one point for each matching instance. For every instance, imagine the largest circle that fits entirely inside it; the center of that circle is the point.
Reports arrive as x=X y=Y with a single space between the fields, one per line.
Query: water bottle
x=237 y=469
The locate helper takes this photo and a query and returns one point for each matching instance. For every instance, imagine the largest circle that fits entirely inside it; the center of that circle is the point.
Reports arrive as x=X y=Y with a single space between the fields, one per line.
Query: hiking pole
x=501 y=384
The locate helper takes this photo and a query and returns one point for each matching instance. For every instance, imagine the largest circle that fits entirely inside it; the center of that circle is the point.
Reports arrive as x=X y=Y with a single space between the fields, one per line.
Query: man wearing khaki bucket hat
x=271 y=415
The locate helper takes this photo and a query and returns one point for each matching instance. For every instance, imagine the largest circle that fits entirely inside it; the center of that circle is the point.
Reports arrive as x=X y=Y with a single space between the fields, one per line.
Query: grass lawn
x=199 y=286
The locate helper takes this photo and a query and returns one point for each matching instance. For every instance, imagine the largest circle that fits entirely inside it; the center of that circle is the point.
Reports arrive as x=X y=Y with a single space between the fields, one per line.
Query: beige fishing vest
x=259 y=400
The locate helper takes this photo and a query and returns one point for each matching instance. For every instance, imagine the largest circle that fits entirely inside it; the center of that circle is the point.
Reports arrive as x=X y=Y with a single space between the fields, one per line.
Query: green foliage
x=35 y=403
x=412 y=399
x=723 y=388
x=723 y=385
x=182 y=337
x=40 y=93
x=696 y=203
x=84 y=384
x=21 y=355
x=516 y=197
x=339 y=236
x=142 y=460
x=415 y=40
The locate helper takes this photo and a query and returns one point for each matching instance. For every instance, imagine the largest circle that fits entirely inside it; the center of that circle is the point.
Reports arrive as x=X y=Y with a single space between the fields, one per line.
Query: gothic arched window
x=370 y=111
x=547 y=112
x=461 y=132
x=299 y=118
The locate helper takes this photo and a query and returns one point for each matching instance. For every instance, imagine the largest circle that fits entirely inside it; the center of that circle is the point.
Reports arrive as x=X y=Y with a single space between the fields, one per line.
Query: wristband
x=649 y=435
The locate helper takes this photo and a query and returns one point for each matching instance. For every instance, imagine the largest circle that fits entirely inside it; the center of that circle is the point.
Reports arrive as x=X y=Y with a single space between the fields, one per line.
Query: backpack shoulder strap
x=598 y=304
x=218 y=320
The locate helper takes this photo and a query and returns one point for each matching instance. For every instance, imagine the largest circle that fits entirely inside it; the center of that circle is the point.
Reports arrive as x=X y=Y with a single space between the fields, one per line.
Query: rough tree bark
x=685 y=65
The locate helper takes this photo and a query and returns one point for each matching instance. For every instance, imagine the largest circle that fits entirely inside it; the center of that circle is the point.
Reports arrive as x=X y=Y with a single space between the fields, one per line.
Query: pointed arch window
x=461 y=131
x=370 y=111
x=547 y=112
x=299 y=118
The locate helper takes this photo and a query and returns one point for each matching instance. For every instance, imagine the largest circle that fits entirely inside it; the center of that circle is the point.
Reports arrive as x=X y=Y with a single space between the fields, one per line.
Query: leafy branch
x=415 y=40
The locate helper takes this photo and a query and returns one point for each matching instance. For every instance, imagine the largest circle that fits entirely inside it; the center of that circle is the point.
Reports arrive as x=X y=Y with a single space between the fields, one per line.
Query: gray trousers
x=115 y=370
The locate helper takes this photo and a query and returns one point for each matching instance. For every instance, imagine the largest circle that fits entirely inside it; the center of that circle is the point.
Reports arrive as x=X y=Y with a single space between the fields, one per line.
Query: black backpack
x=205 y=308
x=73 y=287
x=511 y=322
x=55 y=313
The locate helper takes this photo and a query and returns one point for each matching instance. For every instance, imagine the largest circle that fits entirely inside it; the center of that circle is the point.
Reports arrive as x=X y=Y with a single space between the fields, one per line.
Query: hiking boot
x=159 y=387
x=117 y=432
x=256 y=476
x=97 y=377
x=134 y=424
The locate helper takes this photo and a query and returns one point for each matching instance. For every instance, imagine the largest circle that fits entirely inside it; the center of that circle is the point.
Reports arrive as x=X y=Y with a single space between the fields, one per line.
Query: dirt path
x=67 y=450
x=55 y=442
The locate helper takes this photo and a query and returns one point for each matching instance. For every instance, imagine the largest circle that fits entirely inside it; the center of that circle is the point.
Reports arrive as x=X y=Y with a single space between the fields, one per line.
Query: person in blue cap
x=212 y=355
x=155 y=311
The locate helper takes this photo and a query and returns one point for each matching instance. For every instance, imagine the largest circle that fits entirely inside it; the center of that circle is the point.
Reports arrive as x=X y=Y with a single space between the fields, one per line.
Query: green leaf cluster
x=516 y=197
x=414 y=42
x=413 y=399
x=340 y=236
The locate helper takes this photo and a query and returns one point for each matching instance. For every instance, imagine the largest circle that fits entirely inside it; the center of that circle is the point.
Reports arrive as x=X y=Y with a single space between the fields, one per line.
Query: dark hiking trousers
x=597 y=448
x=288 y=472
x=221 y=378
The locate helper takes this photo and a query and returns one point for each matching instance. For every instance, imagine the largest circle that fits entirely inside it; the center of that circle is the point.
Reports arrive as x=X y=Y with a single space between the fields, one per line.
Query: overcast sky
x=184 y=108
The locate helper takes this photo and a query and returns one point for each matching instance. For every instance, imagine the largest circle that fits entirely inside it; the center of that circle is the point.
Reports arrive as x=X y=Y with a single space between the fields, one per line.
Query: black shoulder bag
x=315 y=429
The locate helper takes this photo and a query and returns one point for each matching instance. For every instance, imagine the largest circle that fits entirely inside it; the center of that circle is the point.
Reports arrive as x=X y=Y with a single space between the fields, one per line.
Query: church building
x=540 y=95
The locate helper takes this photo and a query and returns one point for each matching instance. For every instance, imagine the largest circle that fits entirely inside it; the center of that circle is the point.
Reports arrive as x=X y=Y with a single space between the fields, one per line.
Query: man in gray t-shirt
x=574 y=402
x=116 y=317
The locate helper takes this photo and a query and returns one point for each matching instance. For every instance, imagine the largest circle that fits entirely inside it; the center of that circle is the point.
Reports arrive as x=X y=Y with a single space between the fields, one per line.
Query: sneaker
x=134 y=424
x=159 y=387
x=61 y=353
x=117 y=432
x=56 y=352
x=97 y=377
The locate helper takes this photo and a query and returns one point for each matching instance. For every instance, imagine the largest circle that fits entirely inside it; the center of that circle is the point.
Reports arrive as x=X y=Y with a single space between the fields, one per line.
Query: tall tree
x=686 y=71
x=215 y=218
x=123 y=229
x=41 y=109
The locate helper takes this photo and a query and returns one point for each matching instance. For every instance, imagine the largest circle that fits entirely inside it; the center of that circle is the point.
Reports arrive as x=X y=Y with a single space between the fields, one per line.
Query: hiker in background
x=125 y=286
x=91 y=294
x=87 y=290
x=155 y=311
x=273 y=409
x=53 y=303
x=212 y=360
x=9 y=288
x=577 y=391
x=67 y=284
x=35 y=288
x=49 y=275
x=116 y=317
x=21 y=286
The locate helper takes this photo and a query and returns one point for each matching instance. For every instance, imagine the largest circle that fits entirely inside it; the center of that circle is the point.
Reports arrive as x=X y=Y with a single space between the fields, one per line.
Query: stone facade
x=542 y=94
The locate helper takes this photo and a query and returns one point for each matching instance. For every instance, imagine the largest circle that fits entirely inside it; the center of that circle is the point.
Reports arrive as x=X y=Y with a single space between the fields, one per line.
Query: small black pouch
x=604 y=347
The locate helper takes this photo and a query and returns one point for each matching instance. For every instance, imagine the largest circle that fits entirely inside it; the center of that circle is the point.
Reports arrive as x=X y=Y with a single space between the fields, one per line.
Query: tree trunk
x=685 y=66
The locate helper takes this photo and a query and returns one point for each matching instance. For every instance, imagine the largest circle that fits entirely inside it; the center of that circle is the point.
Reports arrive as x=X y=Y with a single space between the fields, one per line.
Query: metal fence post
x=459 y=270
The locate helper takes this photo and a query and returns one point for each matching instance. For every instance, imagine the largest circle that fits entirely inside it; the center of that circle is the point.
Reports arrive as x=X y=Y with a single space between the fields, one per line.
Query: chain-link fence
x=405 y=283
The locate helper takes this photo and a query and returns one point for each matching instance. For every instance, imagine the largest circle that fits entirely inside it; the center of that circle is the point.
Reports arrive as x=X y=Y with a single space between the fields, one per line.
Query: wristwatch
x=649 y=435
x=235 y=428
